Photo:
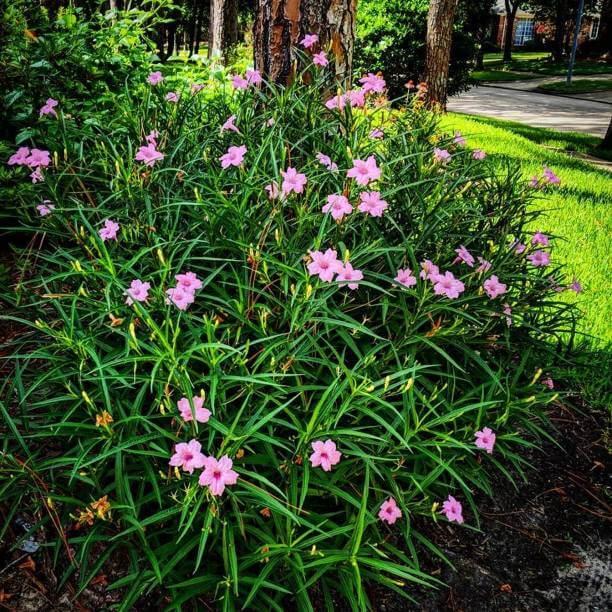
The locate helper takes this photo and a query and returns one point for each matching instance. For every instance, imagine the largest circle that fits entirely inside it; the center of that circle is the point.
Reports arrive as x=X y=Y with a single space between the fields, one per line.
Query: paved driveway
x=539 y=110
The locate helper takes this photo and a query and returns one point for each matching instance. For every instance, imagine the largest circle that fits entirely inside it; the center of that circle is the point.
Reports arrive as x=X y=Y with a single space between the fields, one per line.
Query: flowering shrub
x=268 y=347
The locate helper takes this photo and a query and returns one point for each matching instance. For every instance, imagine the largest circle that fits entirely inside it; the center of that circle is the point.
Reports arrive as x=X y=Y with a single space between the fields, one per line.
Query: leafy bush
x=391 y=39
x=272 y=360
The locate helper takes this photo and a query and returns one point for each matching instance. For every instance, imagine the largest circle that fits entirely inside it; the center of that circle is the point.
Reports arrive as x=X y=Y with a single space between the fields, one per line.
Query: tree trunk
x=560 y=22
x=511 y=10
x=199 y=28
x=606 y=143
x=281 y=24
x=604 y=36
x=223 y=29
x=439 y=39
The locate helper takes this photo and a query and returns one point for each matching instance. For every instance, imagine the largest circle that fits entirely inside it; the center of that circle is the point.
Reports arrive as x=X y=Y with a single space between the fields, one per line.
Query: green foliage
x=399 y=378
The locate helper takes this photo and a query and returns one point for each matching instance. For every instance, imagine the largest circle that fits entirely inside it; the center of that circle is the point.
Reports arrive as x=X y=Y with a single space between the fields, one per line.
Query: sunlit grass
x=577 y=211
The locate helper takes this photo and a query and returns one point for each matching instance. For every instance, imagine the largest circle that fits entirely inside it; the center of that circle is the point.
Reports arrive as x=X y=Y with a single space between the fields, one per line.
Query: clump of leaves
x=399 y=377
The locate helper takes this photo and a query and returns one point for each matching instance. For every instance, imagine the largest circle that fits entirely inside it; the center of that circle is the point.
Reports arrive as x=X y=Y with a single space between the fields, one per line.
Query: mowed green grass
x=578 y=212
x=578 y=86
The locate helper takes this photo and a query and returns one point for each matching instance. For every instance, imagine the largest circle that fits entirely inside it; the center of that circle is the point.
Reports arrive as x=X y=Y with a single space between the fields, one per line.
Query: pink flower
x=465 y=256
x=459 y=140
x=485 y=439
x=188 y=456
x=338 y=206
x=46 y=208
x=479 y=154
x=152 y=137
x=442 y=156
x=233 y=157
x=49 y=107
x=270 y=122
x=309 y=41
x=172 y=96
x=453 y=510
x=326 y=161
x=149 y=155
x=364 y=171
x=429 y=270
x=576 y=287
x=484 y=266
x=239 y=82
x=348 y=273
x=534 y=182
x=446 y=284
x=508 y=312
x=336 y=102
x=320 y=59
x=551 y=177
x=37 y=176
x=325 y=265
x=548 y=382
x=155 y=78
x=376 y=133
x=201 y=414
x=293 y=181
x=373 y=83
x=494 y=288
x=217 y=474
x=188 y=281
x=109 y=231
x=325 y=455
x=181 y=298
x=196 y=87
x=405 y=277
x=372 y=204
x=229 y=125
x=540 y=238
x=273 y=190
x=539 y=258
x=38 y=158
x=389 y=512
x=253 y=77
x=20 y=157
x=356 y=98
x=137 y=292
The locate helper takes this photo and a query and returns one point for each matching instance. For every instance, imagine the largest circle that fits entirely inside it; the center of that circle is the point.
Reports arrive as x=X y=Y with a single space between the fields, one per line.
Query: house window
x=523 y=32
x=594 y=28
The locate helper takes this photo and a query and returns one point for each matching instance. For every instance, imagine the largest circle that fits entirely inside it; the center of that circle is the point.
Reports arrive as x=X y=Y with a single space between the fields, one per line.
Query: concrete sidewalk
x=563 y=113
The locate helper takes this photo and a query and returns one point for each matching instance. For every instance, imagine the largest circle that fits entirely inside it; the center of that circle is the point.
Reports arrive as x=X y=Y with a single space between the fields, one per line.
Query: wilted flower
x=46 y=208
x=485 y=439
x=484 y=266
x=273 y=190
x=202 y=415
x=389 y=511
x=109 y=231
x=429 y=270
x=508 y=312
x=575 y=286
x=104 y=419
x=188 y=455
x=101 y=507
x=453 y=510
x=337 y=206
x=325 y=455
x=172 y=96
x=376 y=133
x=465 y=256
x=326 y=161
x=217 y=474
x=229 y=125
x=548 y=382
x=197 y=87
x=37 y=176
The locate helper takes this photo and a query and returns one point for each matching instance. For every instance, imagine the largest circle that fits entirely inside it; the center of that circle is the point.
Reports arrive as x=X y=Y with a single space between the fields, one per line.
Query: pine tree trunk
x=511 y=10
x=439 y=39
x=281 y=24
x=606 y=143
x=223 y=29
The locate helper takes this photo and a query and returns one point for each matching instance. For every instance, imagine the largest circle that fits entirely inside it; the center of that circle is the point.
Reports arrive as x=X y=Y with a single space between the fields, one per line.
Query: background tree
x=281 y=25
x=223 y=28
x=440 y=21
x=476 y=19
x=512 y=7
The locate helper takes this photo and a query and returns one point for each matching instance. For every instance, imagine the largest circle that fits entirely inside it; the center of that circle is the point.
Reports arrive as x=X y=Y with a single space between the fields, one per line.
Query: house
x=531 y=32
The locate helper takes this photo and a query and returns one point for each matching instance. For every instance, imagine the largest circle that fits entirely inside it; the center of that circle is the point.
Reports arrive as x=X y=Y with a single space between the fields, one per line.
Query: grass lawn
x=492 y=59
x=578 y=86
x=577 y=212
x=501 y=75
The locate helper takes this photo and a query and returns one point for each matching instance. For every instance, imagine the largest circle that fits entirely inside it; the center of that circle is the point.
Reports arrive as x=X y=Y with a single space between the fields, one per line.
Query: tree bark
x=511 y=10
x=439 y=40
x=561 y=10
x=606 y=143
x=281 y=24
x=223 y=29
